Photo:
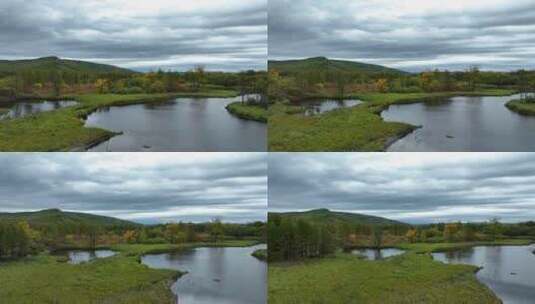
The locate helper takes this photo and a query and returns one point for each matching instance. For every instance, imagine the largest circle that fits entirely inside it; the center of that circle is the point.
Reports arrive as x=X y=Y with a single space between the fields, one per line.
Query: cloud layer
x=413 y=34
x=412 y=187
x=143 y=187
x=142 y=35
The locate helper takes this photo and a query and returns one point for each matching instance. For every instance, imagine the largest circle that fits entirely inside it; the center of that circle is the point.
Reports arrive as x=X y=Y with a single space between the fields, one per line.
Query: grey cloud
x=228 y=35
x=412 y=187
x=155 y=187
x=491 y=36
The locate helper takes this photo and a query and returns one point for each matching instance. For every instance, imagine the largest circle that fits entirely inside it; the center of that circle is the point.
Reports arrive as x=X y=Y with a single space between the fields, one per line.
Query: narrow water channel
x=26 y=108
x=319 y=106
x=377 y=254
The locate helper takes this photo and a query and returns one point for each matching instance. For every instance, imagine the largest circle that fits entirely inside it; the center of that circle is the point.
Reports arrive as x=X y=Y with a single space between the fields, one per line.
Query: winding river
x=508 y=270
x=182 y=124
x=226 y=275
x=463 y=124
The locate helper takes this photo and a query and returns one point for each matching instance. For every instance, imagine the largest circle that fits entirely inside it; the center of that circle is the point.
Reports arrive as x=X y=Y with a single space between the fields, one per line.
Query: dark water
x=315 y=107
x=184 y=124
x=216 y=275
x=82 y=256
x=25 y=108
x=378 y=254
x=508 y=270
x=463 y=124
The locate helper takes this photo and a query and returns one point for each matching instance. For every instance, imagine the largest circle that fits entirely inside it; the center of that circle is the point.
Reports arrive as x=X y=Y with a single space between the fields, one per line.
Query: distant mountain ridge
x=323 y=63
x=58 y=64
x=56 y=216
x=326 y=216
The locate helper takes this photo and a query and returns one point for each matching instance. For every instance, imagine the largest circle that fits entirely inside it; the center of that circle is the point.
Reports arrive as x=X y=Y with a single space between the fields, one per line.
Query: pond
x=463 y=124
x=183 y=124
x=25 y=108
x=508 y=270
x=315 y=107
x=215 y=275
x=83 y=256
x=377 y=254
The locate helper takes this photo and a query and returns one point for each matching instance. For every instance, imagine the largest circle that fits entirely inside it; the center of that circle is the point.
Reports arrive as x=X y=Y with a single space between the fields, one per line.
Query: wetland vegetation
x=312 y=259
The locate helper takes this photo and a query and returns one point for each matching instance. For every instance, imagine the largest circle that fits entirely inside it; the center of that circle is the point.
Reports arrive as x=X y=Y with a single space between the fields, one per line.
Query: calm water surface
x=25 y=108
x=82 y=256
x=183 y=124
x=463 y=124
x=508 y=270
x=315 y=107
x=215 y=275
x=378 y=254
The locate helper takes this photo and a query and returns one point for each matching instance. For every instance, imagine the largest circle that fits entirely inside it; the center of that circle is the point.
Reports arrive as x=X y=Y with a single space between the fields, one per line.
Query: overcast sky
x=141 y=34
x=142 y=187
x=411 y=34
x=411 y=187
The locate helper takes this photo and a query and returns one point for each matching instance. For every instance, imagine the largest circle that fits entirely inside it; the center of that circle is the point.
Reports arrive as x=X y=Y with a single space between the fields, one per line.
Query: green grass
x=119 y=279
x=63 y=129
x=408 y=278
x=521 y=107
x=260 y=254
x=358 y=128
x=246 y=111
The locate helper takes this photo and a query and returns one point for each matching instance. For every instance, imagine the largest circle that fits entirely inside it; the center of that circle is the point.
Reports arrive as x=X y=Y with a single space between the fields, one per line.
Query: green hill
x=329 y=65
x=57 y=64
x=51 y=217
x=326 y=216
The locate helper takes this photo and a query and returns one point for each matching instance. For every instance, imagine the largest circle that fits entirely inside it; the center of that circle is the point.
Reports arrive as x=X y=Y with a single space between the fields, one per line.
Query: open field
x=358 y=128
x=118 y=279
x=63 y=129
x=413 y=277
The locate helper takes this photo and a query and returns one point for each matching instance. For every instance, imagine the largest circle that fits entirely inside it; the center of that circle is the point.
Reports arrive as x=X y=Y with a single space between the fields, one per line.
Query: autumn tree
x=412 y=235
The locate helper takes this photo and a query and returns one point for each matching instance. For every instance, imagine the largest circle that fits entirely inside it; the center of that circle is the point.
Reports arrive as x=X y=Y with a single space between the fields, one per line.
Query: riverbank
x=358 y=128
x=521 y=107
x=118 y=279
x=260 y=254
x=63 y=129
x=247 y=111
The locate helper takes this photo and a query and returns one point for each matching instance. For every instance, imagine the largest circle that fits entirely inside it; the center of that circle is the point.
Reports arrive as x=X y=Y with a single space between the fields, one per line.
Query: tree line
x=293 y=239
x=55 y=82
x=301 y=84
x=19 y=238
